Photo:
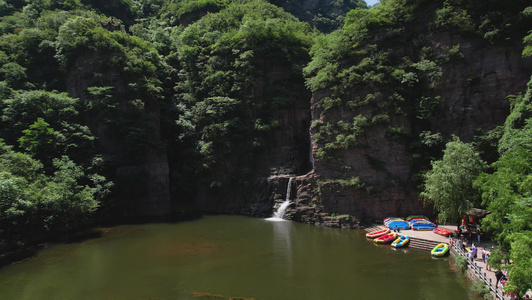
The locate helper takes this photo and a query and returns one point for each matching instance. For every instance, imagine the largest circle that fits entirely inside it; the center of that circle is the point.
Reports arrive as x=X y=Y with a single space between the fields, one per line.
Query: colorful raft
x=440 y=250
x=422 y=224
x=386 y=238
x=401 y=241
x=416 y=217
x=377 y=234
x=442 y=231
x=396 y=223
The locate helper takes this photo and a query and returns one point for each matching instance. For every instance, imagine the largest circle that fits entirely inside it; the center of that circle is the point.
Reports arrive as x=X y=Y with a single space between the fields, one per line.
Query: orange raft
x=386 y=238
x=442 y=231
x=376 y=234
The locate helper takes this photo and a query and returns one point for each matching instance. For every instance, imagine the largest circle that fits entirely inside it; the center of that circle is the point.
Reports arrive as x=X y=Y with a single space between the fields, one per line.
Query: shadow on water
x=80 y=235
x=222 y=256
x=9 y=257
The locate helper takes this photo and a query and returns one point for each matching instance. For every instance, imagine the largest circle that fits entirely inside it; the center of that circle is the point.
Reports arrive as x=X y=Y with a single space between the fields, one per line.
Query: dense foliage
x=372 y=81
x=129 y=71
x=397 y=89
x=507 y=190
x=455 y=181
x=221 y=57
x=90 y=91
x=449 y=184
x=34 y=204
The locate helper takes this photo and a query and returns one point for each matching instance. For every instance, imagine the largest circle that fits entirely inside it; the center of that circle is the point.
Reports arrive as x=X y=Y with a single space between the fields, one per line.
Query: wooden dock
x=423 y=240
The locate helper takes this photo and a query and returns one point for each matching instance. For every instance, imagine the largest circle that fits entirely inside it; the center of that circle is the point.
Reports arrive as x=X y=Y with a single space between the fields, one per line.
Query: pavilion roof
x=478 y=212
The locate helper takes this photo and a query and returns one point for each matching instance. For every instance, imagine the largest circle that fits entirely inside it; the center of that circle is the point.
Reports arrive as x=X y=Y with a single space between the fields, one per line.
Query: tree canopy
x=206 y=86
x=507 y=192
x=449 y=184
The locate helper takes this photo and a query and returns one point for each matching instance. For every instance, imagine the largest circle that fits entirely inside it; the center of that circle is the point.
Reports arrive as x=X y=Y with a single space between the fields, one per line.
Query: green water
x=218 y=257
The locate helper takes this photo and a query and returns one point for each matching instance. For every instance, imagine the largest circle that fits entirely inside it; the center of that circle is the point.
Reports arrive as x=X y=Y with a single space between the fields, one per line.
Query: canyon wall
x=472 y=93
x=129 y=136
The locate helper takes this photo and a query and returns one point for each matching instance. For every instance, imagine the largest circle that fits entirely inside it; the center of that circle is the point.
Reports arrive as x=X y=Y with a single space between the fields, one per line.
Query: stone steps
x=421 y=244
x=373 y=228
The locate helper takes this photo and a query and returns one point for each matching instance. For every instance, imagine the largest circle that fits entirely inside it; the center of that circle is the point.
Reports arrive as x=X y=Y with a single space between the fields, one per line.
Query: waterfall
x=281 y=211
x=311 y=157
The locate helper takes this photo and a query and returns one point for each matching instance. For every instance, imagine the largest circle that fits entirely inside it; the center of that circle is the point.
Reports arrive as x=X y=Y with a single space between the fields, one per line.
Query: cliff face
x=400 y=128
x=356 y=147
x=286 y=154
x=471 y=95
x=474 y=90
x=142 y=189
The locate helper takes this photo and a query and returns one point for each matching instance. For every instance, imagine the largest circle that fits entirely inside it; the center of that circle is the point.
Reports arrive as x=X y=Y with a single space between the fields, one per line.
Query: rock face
x=375 y=179
x=144 y=190
x=472 y=93
x=287 y=153
x=474 y=90
x=368 y=182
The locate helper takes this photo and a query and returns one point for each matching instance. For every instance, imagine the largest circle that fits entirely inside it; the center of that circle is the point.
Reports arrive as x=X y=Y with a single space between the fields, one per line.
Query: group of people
x=472 y=253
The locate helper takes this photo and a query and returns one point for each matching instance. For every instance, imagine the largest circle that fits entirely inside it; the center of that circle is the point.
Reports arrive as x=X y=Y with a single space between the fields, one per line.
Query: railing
x=499 y=293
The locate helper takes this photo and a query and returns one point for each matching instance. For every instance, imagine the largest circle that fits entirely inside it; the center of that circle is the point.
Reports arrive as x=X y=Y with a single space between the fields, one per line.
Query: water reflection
x=282 y=242
x=230 y=256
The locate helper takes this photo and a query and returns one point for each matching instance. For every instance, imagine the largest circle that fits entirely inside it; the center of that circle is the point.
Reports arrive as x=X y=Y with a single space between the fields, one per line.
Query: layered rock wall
x=472 y=93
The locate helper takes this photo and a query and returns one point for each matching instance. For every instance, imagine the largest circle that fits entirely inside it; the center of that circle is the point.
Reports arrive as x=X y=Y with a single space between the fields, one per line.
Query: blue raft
x=396 y=223
x=401 y=241
x=422 y=224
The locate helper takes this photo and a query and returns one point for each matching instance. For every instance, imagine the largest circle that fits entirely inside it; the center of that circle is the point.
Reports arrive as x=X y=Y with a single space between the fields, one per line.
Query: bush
x=461 y=262
x=480 y=288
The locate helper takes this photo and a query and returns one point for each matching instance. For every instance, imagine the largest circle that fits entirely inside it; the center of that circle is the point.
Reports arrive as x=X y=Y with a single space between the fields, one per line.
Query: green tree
x=226 y=84
x=65 y=203
x=502 y=190
x=39 y=139
x=449 y=184
x=14 y=74
x=63 y=132
x=34 y=205
x=520 y=271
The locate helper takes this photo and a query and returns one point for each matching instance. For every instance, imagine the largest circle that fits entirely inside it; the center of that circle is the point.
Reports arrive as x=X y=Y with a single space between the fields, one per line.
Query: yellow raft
x=440 y=250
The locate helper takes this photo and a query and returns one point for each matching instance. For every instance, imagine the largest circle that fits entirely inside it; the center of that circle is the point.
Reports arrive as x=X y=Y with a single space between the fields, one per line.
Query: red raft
x=386 y=238
x=442 y=231
x=376 y=234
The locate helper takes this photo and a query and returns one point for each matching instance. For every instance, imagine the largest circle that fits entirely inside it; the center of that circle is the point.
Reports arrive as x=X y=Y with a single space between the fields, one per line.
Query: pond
x=219 y=257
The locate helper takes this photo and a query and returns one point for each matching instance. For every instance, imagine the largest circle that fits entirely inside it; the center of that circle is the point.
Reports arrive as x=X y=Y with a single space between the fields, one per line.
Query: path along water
x=479 y=268
x=231 y=256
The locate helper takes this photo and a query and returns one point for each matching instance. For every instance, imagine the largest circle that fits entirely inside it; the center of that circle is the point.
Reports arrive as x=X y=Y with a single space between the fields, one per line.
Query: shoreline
x=476 y=269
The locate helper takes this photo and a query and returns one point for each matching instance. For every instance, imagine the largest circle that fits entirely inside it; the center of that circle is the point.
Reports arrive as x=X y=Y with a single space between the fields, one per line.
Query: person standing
x=499 y=275
x=488 y=264
x=484 y=255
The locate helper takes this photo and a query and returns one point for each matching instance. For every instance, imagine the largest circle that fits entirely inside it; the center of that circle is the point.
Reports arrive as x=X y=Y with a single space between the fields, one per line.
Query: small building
x=472 y=219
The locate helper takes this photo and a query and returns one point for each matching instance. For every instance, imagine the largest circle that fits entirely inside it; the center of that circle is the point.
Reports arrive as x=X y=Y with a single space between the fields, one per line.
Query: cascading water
x=311 y=157
x=278 y=215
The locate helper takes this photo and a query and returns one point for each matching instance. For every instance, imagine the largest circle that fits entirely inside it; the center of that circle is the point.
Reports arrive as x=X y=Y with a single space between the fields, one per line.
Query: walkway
x=478 y=267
